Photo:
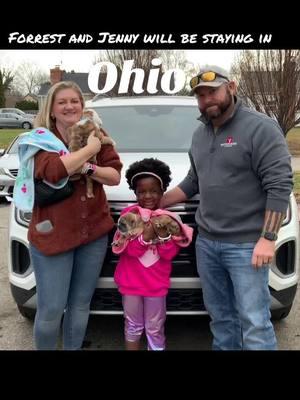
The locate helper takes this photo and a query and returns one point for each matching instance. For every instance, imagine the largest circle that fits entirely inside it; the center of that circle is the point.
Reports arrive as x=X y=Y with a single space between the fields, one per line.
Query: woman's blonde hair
x=44 y=116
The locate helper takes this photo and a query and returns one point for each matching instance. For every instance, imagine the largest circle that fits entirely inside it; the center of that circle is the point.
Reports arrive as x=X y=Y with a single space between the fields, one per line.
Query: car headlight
x=2 y=171
x=23 y=217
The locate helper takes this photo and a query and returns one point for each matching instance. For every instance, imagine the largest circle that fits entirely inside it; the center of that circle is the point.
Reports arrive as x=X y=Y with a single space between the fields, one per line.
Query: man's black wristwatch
x=272 y=236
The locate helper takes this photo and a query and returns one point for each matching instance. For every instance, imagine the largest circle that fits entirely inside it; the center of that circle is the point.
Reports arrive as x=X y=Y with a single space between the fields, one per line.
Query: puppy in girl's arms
x=79 y=133
x=132 y=224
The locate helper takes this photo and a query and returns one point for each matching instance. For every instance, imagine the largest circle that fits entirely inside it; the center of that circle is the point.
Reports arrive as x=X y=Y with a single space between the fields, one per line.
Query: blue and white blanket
x=29 y=144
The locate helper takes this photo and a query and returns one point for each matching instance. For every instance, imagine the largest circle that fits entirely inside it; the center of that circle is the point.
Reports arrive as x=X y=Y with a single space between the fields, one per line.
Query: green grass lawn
x=296 y=188
x=7 y=135
x=293 y=141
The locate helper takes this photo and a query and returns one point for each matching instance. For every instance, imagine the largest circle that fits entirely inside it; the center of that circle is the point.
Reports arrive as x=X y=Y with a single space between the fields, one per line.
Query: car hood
x=9 y=161
x=178 y=163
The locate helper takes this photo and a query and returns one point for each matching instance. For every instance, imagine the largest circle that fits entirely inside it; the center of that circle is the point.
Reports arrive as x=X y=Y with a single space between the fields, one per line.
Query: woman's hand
x=75 y=160
x=94 y=142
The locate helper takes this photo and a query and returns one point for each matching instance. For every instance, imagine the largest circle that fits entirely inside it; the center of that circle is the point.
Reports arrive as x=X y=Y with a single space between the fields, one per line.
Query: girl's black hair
x=148 y=165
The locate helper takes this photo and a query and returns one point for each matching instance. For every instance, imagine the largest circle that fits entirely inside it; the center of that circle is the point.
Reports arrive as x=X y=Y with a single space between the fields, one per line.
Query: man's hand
x=263 y=252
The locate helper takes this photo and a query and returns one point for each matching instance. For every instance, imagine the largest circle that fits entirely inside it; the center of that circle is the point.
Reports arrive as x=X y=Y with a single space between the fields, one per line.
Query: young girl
x=143 y=271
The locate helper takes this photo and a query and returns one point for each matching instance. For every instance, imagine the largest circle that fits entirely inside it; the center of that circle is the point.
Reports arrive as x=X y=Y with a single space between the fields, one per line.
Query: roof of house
x=81 y=78
x=32 y=95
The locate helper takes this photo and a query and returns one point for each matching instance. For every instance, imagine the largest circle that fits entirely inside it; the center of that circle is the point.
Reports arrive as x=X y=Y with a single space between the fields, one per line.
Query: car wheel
x=27 y=313
x=277 y=315
x=26 y=125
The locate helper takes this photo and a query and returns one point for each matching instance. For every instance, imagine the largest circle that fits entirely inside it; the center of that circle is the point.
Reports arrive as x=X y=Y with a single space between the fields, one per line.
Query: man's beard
x=221 y=108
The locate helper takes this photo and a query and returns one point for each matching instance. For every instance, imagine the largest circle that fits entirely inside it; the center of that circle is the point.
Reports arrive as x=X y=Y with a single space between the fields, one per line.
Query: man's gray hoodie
x=240 y=171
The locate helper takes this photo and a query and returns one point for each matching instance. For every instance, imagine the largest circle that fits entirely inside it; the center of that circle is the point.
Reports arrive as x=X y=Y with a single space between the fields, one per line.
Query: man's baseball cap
x=209 y=75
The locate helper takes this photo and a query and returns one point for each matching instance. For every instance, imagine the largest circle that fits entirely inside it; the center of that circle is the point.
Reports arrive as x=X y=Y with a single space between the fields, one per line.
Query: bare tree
x=176 y=59
x=6 y=78
x=28 y=78
x=269 y=80
x=142 y=58
x=173 y=59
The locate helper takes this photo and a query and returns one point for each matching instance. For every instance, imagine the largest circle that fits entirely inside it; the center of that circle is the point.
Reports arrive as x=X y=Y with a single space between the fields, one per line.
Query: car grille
x=184 y=264
x=187 y=300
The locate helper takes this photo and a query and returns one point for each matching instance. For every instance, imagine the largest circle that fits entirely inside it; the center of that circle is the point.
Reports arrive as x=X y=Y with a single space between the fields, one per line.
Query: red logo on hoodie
x=229 y=139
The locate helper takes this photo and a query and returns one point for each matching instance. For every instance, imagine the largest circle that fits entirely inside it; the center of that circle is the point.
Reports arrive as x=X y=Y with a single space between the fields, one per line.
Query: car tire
x=27 y=313
x=26 y=125
x=277 y=315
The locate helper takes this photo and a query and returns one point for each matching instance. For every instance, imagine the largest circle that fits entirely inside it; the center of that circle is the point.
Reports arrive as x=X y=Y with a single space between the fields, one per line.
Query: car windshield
x=147 y=128
x=14 y=147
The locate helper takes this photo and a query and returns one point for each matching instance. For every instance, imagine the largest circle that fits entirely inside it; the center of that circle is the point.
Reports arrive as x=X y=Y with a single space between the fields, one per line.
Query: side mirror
x=2 y=151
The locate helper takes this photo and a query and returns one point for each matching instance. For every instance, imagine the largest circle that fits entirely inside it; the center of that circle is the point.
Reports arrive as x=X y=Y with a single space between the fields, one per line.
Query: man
x=240 y=166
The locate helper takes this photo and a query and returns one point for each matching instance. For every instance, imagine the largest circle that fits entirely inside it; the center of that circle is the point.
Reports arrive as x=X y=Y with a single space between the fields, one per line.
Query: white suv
x=159 y=126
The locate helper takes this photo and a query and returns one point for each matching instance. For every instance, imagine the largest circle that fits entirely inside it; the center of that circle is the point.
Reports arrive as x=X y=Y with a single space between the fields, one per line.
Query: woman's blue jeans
x=236 y=296
x=65 y=285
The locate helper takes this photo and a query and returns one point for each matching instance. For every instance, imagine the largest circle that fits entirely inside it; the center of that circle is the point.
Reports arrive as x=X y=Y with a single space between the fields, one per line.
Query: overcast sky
x=82 y=60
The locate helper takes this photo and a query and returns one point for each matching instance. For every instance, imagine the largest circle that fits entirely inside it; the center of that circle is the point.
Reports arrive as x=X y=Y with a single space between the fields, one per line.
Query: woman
x=68 y=239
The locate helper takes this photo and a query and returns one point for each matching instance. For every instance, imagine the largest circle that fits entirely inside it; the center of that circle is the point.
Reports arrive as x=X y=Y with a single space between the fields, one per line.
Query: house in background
x=12 y=99
x=58 y=75
x=30 y=97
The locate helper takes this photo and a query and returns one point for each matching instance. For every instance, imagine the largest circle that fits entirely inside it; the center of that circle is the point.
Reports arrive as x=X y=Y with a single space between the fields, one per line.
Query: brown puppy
x=131 y=224
x=93 y=115
x=164 y=225
x=78 y=135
